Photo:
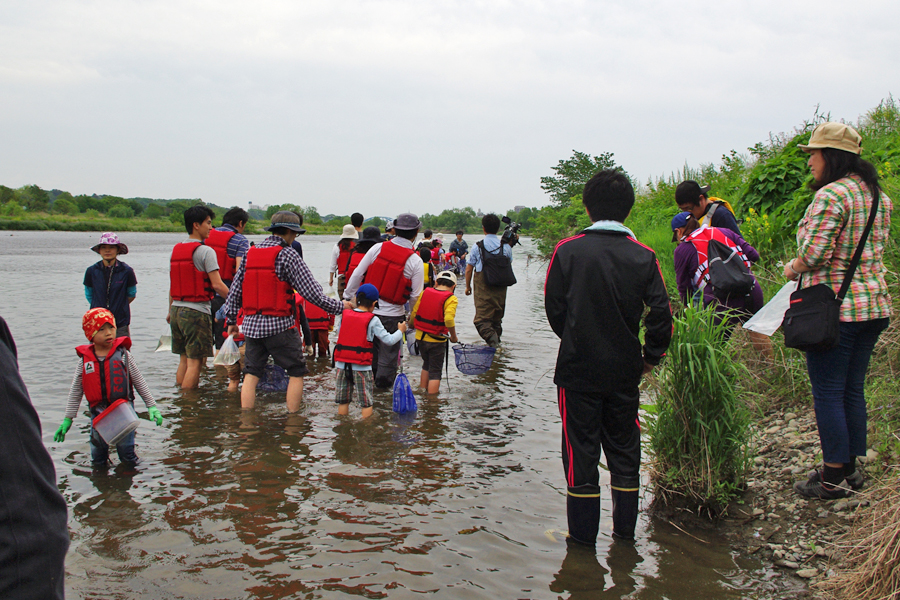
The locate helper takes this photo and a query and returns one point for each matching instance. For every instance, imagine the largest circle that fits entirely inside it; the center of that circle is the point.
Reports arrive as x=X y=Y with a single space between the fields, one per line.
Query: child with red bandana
x=106 y=372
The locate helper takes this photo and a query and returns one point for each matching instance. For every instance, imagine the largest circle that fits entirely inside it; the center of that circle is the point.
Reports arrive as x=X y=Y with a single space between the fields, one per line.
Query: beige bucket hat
x=834 y=135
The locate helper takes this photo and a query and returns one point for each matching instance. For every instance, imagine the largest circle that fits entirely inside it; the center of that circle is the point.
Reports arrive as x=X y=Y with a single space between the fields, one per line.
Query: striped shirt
x=237 y=245
x=76 y=392
x=290 y=268
x=828 y=235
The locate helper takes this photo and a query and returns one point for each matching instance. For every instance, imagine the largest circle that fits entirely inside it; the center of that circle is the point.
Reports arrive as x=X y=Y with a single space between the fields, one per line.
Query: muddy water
x=465 y=499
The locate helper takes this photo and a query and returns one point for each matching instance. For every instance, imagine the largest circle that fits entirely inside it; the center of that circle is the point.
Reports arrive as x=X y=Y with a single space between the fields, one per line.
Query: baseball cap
x=447 y=275
x=679 y=220
x=689 y=191
x=368 y=291
x=834 y=135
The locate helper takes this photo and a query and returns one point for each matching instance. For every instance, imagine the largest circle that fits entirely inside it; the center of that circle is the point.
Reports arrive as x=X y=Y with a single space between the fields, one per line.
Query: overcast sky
x=386 y=106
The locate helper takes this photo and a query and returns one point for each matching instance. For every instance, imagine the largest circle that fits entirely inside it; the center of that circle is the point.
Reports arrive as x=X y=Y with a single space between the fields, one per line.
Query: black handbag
x=812 y=323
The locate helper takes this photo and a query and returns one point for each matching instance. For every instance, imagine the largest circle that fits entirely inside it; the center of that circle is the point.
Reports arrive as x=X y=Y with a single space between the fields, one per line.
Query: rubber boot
x=583 y=511
x=625 y=506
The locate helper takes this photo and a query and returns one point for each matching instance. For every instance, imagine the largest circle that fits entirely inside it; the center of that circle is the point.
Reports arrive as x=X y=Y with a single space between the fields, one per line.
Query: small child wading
x=110 y=283
x=353 y=351
x=434 y=319
x=106 y=372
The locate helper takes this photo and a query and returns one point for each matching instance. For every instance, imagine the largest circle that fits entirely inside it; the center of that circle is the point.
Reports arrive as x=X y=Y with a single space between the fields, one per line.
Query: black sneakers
x=854 y=480
x=814 y=487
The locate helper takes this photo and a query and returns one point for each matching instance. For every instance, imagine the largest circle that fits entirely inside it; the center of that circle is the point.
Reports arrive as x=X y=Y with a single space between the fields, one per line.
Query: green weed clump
x=700 y=431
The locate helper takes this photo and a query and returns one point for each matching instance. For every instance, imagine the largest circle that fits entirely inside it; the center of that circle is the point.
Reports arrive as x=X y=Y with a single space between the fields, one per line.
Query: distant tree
x=34 y=198
x=375 y=222
x=120 y=211
x=6 y=194
x=571 y=174
x=65 y=206
x=154 y=211
x=311 y=215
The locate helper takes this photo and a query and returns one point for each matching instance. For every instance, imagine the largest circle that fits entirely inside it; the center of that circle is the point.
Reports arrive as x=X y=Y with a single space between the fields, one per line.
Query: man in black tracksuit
x=598 y=284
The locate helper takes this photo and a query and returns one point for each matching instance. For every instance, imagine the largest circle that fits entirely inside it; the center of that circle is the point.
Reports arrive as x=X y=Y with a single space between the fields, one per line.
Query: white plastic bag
x=229 y=353
x=165 y=341
x=768 y=319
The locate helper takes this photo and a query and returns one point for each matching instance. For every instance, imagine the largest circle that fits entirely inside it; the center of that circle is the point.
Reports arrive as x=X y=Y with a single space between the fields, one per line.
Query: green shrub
x=120 y=211
x=699 y=434
x=65 y=207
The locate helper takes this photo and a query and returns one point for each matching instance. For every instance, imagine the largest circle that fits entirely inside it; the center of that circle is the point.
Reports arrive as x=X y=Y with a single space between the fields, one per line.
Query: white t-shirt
x=204 y=260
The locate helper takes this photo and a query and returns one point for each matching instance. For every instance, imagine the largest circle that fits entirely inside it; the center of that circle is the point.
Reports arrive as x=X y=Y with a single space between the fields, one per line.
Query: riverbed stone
x=789 y=416
x=787 y=564
x=807 y=573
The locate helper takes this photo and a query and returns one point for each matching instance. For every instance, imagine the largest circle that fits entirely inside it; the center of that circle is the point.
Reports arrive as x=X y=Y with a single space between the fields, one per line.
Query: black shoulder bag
x=496 y=267
x=813 y=321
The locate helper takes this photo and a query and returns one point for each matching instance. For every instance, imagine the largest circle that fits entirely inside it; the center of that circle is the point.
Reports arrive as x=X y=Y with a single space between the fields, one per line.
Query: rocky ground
x=771 y=521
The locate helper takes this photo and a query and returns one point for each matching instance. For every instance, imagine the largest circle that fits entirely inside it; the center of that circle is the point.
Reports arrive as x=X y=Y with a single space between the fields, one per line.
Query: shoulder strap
x=845 y=285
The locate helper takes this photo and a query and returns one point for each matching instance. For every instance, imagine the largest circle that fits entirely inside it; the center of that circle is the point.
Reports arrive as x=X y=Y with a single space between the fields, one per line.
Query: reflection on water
x=463 y=499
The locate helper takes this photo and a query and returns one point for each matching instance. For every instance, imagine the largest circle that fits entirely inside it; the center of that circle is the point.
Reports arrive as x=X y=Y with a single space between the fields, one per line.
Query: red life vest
x=352 y=263
x=263 y=292
x=386 y=273
x=430 y=316
x=218 y=241
x=343 y=257
x=700 y=240
x=105 y=381
x=186 y=283
x=315 y=316
x=352 y=345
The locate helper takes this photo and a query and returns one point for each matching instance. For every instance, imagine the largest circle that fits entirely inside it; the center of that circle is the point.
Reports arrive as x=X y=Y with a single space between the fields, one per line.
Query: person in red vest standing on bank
x=264 y=287
x=231 y=247
x=194 y=281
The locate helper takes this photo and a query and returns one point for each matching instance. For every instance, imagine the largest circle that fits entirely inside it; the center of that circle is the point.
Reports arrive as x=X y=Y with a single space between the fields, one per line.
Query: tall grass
x=700 y=432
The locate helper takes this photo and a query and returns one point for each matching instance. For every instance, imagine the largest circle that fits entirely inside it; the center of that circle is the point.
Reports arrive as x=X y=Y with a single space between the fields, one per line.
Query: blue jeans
x=100 y=449
x=838 y=385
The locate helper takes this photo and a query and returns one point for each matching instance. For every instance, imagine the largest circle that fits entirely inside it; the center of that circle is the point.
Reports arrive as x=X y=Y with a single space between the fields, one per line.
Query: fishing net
x=473 y=359
x=165 y=341
x=274 y=379
x=404 y=400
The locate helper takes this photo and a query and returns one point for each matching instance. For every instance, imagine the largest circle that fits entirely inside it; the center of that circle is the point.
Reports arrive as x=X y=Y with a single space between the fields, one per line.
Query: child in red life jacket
x=353 y=351
x=433 y=317
x=106 y=372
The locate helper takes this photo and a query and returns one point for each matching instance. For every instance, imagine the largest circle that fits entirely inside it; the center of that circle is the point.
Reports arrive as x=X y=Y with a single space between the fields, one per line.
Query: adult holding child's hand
x=827 y=236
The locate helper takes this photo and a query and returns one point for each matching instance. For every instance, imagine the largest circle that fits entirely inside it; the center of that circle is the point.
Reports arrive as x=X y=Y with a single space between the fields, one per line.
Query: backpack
x=728 y=274
x=496 y=267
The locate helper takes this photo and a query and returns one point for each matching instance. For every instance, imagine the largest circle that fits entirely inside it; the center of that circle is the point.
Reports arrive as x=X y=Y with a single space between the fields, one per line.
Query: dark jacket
x=97 y=277
x=33 y=533
x=597 y=286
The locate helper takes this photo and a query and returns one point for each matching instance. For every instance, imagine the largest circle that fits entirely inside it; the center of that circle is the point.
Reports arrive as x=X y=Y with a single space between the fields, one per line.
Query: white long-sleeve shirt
x=76 y=393
x=413 y=270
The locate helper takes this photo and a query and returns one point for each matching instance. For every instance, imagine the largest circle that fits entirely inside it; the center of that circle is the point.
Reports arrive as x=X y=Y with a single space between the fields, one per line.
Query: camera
x=511 y=233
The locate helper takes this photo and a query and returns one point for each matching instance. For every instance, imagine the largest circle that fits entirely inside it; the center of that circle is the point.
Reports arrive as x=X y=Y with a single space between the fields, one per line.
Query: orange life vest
x=430 y=315
x=105 y=381
x=352 y=345
x=386 y=273
x=218 y=241
x=343 y=257
x=700 y=240
x=263 y=293
x=186 y=283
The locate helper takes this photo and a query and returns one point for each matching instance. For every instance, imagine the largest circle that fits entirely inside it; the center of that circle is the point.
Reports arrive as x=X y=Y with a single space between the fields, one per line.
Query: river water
x=463 y=499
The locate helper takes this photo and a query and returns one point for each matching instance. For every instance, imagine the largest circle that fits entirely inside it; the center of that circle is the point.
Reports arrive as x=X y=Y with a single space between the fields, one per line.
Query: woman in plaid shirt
x=827 y=236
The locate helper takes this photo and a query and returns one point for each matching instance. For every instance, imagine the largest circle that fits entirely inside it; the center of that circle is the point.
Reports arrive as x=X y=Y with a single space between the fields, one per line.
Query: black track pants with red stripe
x=593 y=423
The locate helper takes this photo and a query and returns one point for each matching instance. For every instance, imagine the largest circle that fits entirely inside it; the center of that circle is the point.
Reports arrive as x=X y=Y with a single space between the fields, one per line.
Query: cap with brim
x=407 y=222
x=349 y=233
x=286 y=219
x=389 y=225
x=447 y=275
x=834 y=135
x=367 y=291
x=679 y=221
x=109 y=238
x=689 y=192
x=370 y=234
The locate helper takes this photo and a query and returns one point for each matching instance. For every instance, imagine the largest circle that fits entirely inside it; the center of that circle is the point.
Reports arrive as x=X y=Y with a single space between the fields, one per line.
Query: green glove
x=60 y=435
x=155 y=415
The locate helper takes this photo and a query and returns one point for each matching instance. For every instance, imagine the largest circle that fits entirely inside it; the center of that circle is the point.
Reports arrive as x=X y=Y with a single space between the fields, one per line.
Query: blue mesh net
x=404 y=400
x=472 y=359
x=273 y=380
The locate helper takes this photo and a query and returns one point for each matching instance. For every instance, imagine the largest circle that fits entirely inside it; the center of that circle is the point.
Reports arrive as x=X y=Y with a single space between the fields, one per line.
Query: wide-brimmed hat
x=689 y=191
x=108 y=238
x=349 y=232
x=370 y=234
x=407 y=222
x=286 y=219
x=834 y=135
x=447 y=275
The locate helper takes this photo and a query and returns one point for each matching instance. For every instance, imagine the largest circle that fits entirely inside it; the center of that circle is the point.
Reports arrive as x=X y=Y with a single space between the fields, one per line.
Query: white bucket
x=116 y=422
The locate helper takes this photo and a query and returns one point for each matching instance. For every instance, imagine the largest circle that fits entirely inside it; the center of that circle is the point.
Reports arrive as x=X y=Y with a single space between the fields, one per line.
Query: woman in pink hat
x=110 y=283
